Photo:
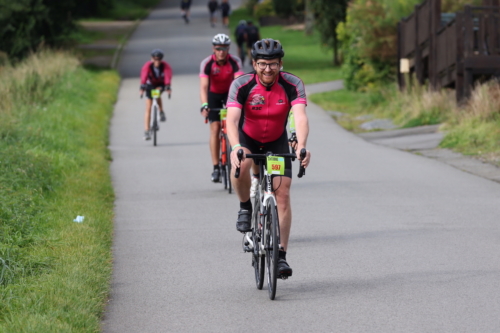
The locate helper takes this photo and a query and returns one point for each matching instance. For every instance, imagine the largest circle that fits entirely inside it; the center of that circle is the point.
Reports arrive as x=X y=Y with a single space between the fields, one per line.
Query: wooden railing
x=450 y=50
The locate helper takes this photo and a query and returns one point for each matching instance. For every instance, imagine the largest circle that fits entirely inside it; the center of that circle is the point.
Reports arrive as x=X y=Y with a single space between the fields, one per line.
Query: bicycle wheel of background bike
x=155 y=125
x=258 y=261
x=228 y=159
x=272 y=243
x=223 y=174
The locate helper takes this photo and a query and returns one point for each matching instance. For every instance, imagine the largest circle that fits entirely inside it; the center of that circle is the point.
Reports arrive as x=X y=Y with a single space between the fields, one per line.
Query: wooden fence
x=452 y=49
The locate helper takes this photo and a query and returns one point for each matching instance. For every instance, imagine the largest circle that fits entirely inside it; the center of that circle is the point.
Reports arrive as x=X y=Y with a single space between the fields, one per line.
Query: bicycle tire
x=272 y=243
x=155 y=124
x=228 y=161
x=258 y=259
x=223 y=160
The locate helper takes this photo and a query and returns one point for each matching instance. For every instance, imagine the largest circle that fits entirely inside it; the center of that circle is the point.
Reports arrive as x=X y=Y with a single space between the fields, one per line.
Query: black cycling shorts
x=150 y=87
x=279 y=146
x=215 y=101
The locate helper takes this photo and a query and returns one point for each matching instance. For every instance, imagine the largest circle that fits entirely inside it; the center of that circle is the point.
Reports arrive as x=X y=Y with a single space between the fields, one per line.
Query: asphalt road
x=382 y=240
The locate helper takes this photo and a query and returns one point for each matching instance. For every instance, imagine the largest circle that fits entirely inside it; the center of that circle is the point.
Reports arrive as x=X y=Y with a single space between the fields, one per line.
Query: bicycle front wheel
x=272 y=243
x=258 y=258
x=155 y=124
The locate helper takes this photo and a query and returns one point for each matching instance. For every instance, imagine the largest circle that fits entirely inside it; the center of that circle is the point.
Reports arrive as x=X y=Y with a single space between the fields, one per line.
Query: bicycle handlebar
x=302 y=169
x=213 y=110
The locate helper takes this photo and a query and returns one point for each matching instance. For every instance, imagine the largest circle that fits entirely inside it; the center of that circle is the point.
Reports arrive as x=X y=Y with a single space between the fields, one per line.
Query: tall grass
x=473 y=128
x=54 y=273
x=32 y=81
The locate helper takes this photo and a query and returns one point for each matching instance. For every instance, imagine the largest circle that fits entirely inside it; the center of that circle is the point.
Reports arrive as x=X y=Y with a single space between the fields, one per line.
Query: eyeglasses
x=222 y=48
x=263 y=65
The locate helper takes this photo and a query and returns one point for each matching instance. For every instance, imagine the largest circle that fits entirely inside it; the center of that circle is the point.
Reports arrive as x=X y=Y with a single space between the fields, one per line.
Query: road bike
x=264 y=238
x=154 y=126
x=225 y=150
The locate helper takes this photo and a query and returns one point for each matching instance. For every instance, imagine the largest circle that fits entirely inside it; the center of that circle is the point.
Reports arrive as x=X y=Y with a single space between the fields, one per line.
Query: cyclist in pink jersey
x=217 y=71
x=155 y=74
x=258 y=108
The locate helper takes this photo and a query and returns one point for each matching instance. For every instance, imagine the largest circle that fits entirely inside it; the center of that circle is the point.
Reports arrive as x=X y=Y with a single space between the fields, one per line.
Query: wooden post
x=459 y=65
x=418 y=52
x=468 y=49
x=401 y=79
x=435 y=18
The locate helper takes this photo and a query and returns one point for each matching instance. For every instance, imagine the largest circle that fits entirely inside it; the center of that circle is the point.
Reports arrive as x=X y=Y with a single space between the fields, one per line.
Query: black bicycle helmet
x=157 y=53
x=267 y=49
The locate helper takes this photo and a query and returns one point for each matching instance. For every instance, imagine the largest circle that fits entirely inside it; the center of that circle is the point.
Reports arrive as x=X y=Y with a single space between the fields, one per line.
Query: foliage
x=265 y=8
x=452 y=6
x=368 y=39
x=284 y=9
x=328 y=14
x=27 y=24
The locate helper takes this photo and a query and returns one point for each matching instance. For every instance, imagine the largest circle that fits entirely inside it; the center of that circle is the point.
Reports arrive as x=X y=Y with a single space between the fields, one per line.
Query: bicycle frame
x=268 y=195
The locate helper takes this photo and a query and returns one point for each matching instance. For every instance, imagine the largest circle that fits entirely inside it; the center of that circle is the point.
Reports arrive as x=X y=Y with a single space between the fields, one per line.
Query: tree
x=27 y=24
x=286 y=8
x=328 y=14
x=308 y=18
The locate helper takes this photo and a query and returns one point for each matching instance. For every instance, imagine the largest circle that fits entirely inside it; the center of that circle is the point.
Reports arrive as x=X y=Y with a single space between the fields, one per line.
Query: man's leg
x=285 y=217
x=284 y=210
x=242 y=184
x=215 y=142
x=242 y=188
x=160 y=104
x=147 y=114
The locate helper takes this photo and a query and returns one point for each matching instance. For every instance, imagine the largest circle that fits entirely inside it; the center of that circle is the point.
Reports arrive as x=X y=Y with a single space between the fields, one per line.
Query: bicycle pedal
x=248 y=249
x=284 y=277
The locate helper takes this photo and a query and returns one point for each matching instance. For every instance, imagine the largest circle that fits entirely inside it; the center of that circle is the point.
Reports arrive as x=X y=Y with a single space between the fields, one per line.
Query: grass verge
x=304 y=55
x=471 y=129
x=54 y=166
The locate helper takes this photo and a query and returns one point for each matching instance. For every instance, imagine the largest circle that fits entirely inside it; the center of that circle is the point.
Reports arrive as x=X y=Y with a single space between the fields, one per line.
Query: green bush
x=368 y=39
x=264 y=8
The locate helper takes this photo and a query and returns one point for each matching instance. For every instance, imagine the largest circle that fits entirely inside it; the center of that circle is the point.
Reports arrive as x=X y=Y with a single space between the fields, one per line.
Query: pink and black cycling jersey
x=159 y=76
x=220 y=77
x=265 y=109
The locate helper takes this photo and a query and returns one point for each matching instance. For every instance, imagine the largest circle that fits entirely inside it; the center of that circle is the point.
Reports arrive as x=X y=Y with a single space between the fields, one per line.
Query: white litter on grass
x=79 y=219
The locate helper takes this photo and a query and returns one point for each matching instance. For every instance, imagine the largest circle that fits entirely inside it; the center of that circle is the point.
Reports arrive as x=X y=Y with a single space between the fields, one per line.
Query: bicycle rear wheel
x=228 y=161
x=272 y=243
x=258 y=259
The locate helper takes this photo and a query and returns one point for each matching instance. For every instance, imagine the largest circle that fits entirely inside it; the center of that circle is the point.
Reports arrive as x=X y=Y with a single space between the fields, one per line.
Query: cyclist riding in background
x=239 y=33
x=155 y=74
x=217 y=71
x=258 y=106
x=252 y=35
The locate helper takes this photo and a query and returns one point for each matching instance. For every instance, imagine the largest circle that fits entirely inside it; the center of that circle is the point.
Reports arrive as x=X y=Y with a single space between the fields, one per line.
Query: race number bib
x=155 y=93
x=223 y=114
x=275 y=165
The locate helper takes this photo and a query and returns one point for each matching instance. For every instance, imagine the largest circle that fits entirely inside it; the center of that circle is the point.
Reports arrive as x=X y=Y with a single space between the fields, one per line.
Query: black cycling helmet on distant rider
x=267 y=49
x=157 y=53
x=221 y=39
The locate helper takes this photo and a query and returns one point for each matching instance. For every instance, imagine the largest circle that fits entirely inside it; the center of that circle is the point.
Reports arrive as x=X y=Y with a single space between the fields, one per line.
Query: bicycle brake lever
x=240 y=156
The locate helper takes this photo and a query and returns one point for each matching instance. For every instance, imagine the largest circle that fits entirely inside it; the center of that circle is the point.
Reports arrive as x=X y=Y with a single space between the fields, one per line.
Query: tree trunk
x=336 y=60
x=309 y=18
